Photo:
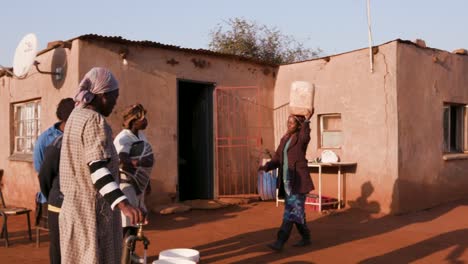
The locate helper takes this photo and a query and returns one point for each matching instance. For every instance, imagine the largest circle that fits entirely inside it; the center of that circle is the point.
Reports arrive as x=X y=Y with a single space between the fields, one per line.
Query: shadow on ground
x=338 y=228
x=192 y=217
x=457 y=238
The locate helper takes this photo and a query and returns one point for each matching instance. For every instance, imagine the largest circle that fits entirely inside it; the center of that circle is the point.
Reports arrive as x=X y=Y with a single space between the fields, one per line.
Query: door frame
x=214 y=187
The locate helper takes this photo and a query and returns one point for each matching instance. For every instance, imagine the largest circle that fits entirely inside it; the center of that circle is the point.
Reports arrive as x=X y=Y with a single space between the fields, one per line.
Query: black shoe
x=302 y=243
x=277 y=246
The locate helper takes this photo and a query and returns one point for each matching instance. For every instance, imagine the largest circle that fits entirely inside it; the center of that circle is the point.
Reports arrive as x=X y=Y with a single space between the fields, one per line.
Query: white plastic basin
x=180 y=253
x=173 y=261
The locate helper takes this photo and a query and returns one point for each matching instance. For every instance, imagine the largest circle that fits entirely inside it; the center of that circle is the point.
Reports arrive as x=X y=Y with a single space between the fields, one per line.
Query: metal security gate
x=237 y=139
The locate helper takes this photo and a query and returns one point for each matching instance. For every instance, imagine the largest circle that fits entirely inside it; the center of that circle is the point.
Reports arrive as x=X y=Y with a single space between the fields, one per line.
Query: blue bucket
x=266 y=185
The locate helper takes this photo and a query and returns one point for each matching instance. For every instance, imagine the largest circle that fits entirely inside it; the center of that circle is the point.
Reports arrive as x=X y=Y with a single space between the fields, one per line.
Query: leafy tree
x=249 y=39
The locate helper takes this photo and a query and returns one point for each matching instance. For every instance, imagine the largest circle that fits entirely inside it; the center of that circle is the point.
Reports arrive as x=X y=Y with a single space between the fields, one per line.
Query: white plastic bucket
x=301 y=98
x=180 y=253
x=173 y=261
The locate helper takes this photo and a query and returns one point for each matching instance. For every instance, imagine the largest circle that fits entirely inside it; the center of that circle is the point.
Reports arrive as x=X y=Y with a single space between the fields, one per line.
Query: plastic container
x=180 y=254
x=301 y=98
x=173 y=261
x=266 y=185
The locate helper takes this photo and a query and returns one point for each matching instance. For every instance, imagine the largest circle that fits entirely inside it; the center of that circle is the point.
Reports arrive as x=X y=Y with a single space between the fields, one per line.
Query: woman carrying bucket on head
x=293 y=181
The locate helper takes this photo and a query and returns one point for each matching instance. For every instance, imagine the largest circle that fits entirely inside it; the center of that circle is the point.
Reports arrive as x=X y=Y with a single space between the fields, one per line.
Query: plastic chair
x=6 y=212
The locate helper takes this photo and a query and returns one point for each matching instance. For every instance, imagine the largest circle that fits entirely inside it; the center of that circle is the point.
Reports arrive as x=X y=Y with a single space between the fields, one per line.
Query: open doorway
x=195 y=139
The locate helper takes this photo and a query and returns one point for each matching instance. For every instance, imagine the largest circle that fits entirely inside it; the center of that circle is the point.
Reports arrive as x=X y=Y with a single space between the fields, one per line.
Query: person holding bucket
x=293 y=181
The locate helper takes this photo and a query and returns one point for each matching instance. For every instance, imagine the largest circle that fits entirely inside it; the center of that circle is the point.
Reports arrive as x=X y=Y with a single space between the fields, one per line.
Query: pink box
x=313 y=198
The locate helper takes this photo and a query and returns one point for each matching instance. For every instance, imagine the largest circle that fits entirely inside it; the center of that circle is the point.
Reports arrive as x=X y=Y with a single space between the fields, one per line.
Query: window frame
x=32 y=131
x=321 y=130
x=459 y=144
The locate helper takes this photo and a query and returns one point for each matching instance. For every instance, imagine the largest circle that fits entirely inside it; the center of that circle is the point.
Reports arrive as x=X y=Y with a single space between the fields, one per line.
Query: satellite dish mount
x=58 y=71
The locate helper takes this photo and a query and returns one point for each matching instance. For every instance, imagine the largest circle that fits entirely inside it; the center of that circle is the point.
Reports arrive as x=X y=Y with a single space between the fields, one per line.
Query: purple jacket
x=301 y=182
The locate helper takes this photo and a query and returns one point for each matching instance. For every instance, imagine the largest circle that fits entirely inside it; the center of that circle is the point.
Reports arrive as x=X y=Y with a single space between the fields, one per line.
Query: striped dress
x=90 y=227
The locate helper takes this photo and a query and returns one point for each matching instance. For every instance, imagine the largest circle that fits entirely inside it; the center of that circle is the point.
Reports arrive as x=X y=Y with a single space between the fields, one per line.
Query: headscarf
x=97 y=81
x=133 y=112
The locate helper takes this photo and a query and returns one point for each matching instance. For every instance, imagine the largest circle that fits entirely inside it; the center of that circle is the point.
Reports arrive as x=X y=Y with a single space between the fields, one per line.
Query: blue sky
x=335 y=26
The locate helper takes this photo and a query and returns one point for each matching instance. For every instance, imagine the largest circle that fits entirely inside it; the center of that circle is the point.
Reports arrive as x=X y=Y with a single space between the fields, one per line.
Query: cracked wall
x=367 y=104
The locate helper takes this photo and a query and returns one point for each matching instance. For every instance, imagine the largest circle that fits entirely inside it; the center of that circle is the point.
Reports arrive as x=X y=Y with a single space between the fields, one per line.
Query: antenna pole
x=371 y=56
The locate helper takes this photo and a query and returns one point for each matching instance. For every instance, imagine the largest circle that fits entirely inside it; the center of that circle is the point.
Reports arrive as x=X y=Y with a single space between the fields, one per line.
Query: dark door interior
x=195 y=140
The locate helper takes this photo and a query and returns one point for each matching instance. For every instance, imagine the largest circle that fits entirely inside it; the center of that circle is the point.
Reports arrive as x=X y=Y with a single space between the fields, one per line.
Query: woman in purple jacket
x=294 y=181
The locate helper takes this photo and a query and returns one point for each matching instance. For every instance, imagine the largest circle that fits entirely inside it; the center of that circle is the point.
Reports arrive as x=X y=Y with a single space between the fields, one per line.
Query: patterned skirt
x=294 y=210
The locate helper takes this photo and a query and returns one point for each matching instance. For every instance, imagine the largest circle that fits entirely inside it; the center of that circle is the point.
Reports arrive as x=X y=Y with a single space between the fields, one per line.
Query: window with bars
x=26 y=126
x=454 y=125
x=331 y=134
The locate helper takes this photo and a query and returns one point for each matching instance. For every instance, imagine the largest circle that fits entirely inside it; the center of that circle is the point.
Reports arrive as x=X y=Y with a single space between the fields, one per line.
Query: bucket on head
x=301 y=98
x=173 y=261
x=180 y=253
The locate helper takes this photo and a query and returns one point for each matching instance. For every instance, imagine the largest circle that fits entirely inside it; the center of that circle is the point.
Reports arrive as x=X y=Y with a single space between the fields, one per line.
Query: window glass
x=454 y=128
x=331 y=134
x=27 y=126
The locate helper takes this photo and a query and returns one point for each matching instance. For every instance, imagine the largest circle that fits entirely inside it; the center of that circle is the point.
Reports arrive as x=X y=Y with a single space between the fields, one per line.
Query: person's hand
x=135 y=214
x=134 y=162
x=309 y=114
x=145 y=216
x=262 y=168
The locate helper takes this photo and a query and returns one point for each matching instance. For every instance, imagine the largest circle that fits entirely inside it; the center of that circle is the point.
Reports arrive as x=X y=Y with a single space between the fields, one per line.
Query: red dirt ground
x=238 y=234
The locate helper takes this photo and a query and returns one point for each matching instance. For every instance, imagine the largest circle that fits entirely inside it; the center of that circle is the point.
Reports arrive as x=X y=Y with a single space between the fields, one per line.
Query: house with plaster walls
x=213 y=116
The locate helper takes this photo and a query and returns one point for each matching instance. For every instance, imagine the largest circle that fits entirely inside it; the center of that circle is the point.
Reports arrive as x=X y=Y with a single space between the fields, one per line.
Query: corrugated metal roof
x=152 y=44
x=147 y=43
x=5 y=71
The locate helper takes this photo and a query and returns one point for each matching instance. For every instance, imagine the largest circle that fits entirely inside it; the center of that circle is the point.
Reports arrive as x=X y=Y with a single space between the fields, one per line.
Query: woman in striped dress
x=90 y=229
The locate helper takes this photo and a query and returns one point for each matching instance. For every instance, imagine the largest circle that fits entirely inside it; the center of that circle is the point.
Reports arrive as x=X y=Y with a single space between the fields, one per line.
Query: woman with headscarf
x=136 y=161
x=90 y=222
x=293 y=180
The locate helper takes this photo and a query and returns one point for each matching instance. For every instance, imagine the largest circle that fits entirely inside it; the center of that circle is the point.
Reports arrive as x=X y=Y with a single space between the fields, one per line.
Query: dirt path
x=238 y=234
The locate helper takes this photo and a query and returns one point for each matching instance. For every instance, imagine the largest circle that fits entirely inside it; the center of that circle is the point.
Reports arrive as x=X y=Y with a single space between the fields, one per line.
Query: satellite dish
x=25 y=55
